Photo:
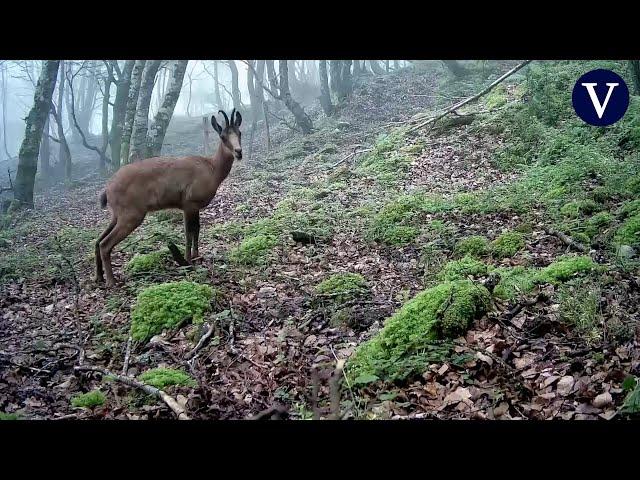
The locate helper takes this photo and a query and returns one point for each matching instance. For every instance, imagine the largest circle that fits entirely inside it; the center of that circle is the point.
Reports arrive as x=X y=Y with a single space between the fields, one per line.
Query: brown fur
x=187 y=183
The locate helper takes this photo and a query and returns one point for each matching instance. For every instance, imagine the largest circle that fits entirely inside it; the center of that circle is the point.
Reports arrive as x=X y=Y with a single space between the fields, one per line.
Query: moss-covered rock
x=441 y=312
x=94 y=398
x=566 y=267
x=253 y=250
x=167 y=305
x=166 y=377
x=148 y=262
x=507 y=244
x=475 y=246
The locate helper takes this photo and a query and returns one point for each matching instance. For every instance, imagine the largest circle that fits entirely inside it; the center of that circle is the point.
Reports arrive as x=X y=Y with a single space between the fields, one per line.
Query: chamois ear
x=238 y=120
x=215 y=125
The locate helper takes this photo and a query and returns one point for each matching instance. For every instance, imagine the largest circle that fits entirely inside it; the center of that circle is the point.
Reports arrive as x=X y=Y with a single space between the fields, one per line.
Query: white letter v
x=594 y=98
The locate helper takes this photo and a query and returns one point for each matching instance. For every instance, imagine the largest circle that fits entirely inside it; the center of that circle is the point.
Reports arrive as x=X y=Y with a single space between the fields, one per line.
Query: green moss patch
x=148 y=262
x=342 y=286
x=253 y=250
x=475 y=246
x=166 y=377
x=629 y=232
x=462 y=269
x=441 y=312
x=9 y=416
x=94 y=398
x=507 y=244
x=167 y=305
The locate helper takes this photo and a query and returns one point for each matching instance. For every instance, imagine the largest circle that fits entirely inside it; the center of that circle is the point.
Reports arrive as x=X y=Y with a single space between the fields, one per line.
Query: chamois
x=159 y=183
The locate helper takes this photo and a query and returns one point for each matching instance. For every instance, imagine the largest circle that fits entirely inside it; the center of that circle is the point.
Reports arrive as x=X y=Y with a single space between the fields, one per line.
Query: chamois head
x=230 y=134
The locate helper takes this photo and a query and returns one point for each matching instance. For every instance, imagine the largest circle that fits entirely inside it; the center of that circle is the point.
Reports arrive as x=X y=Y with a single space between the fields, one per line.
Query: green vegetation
x=166 y=377
x=475 y=246
x=342 y=286
x=252 y=250
x=386 y=163
x=397 y=222
x=629 y=232
x=92 y=399
x=579 y=307
x=519 y=280
x=462 y=269
x=507 y=244
x=9 y=416
x=410 y=337
x=148 y=262
x=167 y=305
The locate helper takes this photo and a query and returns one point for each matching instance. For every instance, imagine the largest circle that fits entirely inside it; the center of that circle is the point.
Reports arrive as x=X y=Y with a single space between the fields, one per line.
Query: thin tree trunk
x=45 y=153
x=119 y=111
x=138 y=146
x=302 y=119
x=130 y=109
x=396 y=65
x=325 y=95
x=376 y=68
x=28 y=156
x=220 y=104
x=634 y=68
x=105 y=121
x=346 y=84
x=4 y=113
x=165 y=112
x=235 y=90
x=64 y=155
x=335 y=69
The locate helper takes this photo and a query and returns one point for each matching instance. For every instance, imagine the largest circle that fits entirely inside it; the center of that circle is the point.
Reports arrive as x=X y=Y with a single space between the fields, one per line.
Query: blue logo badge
x=600 y=97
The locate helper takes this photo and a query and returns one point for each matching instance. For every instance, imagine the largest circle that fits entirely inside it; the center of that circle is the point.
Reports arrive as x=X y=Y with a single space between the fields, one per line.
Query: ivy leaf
x=365 y=379
x=629 y=383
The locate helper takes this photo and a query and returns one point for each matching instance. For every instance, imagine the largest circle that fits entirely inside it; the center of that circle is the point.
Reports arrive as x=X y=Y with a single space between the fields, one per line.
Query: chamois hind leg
x=190 y=219
x=99 y=269
x=124 y=226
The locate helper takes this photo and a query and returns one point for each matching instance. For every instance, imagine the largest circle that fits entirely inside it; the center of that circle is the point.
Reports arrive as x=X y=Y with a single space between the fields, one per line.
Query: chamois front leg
x=190 y=217
x=196 y=233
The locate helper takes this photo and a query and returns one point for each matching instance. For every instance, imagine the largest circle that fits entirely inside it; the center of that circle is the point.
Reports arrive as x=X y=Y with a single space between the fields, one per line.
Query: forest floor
x=393 y=208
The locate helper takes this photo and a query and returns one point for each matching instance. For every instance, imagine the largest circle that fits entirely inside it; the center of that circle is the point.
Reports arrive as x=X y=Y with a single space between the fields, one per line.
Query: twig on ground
x=127 y=355
x=335 y=391
x=566 y=239
x=203 y=340
x=156 y=392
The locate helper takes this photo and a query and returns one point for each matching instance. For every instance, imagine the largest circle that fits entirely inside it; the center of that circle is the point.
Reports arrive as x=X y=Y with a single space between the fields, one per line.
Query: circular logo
x=600 y=97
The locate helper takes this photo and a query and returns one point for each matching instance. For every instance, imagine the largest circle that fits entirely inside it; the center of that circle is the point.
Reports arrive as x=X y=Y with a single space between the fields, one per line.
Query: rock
x=565 y=385
x=310 y=340
x=602 y=400
x=266 y=292
x=49 y=309
x=343 y=125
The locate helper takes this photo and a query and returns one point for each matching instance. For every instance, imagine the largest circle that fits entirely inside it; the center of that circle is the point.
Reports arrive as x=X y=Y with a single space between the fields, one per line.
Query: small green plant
x=579 y=300
x=629 y=232
x=475 y=246
x=166 y=377
x=507 y=244
x=167 y=305
x=631 y=403
x=92 y=399
x=252 y=250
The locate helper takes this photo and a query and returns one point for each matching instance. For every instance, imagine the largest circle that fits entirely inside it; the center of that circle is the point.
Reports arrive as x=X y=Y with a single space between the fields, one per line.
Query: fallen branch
x=566 y=239
x=127 y=355
x=156 y=392
x=201 y=342
x=334 y=389
x=350 y=155
x=473 y=98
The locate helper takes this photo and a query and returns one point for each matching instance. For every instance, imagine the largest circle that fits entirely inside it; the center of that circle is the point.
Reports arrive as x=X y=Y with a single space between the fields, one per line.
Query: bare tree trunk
x=138 y=146
x=130 y=110
x=376 y=68
x=396 y=65
x=165 y=112
x=119 y=111
x=346 y=84
x=325 y=95
x=257 y=99
x=4 y=113
x=335 y=69
x=45 y=152
x=634 y=69
x=455 y=68
x=302 y=119
x=235 y=90
x=28 y=156
x=219 y=102
x=105 y=120
x=64 y=155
